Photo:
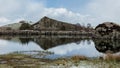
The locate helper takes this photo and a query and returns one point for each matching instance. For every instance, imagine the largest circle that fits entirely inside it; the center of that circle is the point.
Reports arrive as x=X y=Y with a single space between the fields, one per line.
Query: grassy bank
x=25 y=61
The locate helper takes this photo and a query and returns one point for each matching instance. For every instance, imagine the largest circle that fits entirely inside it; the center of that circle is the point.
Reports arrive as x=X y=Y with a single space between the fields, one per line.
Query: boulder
x=108 y=28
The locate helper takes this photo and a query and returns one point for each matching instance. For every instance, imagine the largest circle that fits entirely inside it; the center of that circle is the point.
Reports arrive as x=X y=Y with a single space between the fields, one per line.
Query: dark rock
x=108 y=29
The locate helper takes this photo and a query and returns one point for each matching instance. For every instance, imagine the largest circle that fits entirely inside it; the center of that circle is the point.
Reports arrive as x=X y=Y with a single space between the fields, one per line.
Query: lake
x=58 y=46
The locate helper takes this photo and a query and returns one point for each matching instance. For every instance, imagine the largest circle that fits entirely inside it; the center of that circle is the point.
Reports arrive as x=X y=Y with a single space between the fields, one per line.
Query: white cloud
x=96 y=11
x=66 y=15
x=3 y=19
x=25 y=9
x=104 y=10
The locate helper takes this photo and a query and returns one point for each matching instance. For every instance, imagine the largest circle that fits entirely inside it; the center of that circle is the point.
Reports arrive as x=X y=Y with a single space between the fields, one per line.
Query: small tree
x=25 y=26
x=88 y=25
x=23 y=21
x=78 y=24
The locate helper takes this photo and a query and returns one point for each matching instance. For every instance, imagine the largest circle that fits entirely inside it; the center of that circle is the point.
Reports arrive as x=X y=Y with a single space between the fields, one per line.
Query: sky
x=71 y=11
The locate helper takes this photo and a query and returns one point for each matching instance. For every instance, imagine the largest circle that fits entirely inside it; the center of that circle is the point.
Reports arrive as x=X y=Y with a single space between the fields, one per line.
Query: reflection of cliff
x=44 y=42
x=25 y=40
x=105 y=46
x=47 y=43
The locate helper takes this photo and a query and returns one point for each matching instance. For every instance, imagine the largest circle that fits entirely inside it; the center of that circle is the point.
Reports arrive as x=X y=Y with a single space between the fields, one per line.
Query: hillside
x=50 y=24
x=22 y=25
x=14 y=26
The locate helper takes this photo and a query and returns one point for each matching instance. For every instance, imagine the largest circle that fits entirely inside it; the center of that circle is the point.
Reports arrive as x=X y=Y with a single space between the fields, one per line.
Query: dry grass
x=111 y=57
x=78 y=61
x=13 y=56
x=77 y=58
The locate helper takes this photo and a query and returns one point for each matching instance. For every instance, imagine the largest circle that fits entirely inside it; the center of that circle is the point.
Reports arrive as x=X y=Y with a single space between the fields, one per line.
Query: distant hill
x=14 y=26
x=50 y=24
x=18 y=26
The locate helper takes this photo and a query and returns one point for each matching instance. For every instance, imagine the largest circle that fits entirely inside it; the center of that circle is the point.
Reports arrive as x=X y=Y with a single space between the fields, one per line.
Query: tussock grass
x=109 y=57
x=77 y=57
x=24 y=61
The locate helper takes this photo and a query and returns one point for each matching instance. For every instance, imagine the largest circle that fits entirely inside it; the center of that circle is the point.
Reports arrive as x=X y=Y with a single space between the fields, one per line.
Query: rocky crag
x=53 y=25
x=108 y=30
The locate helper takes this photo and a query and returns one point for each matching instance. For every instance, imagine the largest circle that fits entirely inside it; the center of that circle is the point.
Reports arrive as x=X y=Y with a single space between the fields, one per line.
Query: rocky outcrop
x=50 y=24
x=109 y=29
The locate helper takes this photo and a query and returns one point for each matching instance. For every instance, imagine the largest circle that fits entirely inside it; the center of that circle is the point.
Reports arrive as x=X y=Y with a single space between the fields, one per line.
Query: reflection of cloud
x=3 y=43
x=64 y=48
x=74 y=49
x=8 y=47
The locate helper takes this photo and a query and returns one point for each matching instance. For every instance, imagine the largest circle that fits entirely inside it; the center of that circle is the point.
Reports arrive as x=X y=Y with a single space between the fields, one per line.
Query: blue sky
x=73 y=5
x=71 y=11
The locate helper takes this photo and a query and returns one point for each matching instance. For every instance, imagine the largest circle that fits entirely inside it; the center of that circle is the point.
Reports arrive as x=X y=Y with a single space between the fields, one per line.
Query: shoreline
x=20 y=60
x=79 y=34
x=36 y=32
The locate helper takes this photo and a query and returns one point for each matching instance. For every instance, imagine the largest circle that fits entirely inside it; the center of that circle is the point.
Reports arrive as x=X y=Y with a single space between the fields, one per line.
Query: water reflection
x=49 y=42
x=24 y=40
x=107 y=46
x=45 y=42
x=60 y=45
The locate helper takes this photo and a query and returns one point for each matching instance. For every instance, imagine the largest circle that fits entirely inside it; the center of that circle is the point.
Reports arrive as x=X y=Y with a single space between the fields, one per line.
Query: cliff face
x=108 y=28
x=50 y=24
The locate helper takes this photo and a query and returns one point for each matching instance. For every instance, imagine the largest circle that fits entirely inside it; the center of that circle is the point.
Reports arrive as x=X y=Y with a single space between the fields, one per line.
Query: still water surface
x=60 y=46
